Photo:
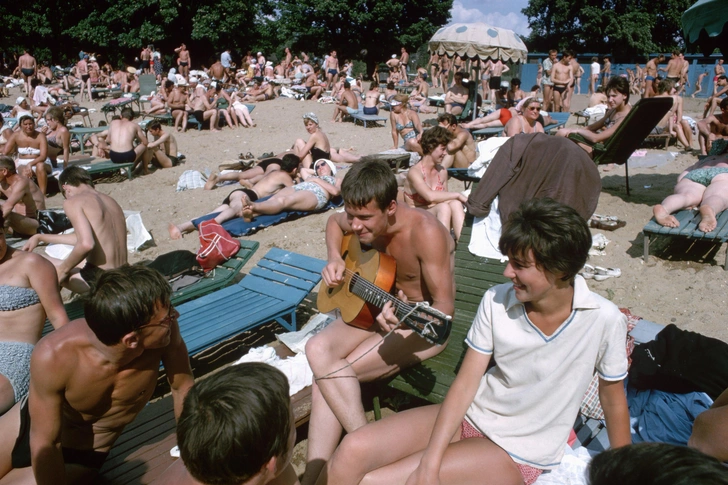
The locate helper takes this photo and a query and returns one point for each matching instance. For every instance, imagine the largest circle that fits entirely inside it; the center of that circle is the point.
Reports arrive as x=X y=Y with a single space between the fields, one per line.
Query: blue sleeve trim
x=479 y=349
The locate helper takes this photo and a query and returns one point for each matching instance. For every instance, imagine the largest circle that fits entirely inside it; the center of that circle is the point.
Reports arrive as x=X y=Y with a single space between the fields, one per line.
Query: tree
x=371 y=30
x=624 y=28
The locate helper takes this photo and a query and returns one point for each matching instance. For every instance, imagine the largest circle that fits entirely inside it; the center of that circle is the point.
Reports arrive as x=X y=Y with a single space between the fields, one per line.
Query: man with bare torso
x=331 y=68
x=312 y=85
x=123 y=132
x=713 y=127
x=562 y=77
x=183 y=60
x=162 y=150
x=651 y=75
x=424 y=253
x=721 y=89
x=28 y=68
x=217 y=71
x=348 y=105
x=99 y=235
x=23 y=199
x=232 y=206
x=461 y=149
x=202 y=110
x=457 y=96
x=674 y=68
x=495 y=71
x=177 y=103
x=144 y=57
x=91 y=377
x=606 y=71
x=404 y=62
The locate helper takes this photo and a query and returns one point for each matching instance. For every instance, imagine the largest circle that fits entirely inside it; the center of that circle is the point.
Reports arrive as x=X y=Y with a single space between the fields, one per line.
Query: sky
x=498 y=13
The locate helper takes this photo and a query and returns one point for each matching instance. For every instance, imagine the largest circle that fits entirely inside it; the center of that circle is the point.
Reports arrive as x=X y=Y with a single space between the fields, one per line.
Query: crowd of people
x=66 y=398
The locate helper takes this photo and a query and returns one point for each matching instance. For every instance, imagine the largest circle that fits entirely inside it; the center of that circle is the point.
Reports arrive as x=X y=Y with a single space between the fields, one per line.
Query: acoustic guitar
x=368 y=283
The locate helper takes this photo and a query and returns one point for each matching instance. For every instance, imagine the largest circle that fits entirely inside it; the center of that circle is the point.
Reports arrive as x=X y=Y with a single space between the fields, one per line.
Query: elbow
x=85 y=246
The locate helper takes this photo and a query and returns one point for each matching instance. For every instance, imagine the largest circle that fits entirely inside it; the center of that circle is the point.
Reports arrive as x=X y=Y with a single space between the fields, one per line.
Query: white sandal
x=602 y=274
x=588 y=272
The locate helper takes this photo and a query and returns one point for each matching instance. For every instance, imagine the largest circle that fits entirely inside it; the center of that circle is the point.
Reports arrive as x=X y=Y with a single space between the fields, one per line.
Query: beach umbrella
x=479 y=41
x=704 y=23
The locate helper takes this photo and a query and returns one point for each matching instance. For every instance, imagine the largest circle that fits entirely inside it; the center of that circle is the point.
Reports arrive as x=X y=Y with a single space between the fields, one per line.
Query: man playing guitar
x=342 y=355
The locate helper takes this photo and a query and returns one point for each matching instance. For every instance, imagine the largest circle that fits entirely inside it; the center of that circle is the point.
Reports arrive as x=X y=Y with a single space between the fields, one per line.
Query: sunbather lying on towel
x=312 y=194
x=235 y=203
x=247 y=177
x=703 y=185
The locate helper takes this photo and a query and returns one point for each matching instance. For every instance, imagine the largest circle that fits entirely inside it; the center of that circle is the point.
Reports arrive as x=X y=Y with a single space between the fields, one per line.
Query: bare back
x=122 y=134
x=108 y=226
x=272 y=182
x=351 y=99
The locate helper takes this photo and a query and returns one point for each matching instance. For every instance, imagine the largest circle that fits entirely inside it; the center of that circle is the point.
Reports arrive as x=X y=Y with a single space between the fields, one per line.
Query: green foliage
x=624 y=28
x=371 y=30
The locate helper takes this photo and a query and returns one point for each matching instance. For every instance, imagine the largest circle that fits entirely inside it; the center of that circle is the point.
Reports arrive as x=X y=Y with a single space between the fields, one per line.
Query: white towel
x=486 y=151
x=486 y=234
x=296 y=368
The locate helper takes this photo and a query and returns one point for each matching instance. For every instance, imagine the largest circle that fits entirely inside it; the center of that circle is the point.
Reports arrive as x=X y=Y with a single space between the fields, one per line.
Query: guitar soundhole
x=329 y=291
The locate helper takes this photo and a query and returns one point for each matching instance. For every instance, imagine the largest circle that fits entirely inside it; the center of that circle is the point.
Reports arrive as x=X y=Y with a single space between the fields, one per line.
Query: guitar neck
x=378 y=297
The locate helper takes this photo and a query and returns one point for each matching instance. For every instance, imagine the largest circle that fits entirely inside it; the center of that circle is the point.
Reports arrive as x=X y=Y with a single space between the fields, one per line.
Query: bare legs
x=712 y=200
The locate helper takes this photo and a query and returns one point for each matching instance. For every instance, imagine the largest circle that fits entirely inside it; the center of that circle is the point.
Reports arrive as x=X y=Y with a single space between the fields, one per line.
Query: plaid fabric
x=191 y=179
x=590 y=406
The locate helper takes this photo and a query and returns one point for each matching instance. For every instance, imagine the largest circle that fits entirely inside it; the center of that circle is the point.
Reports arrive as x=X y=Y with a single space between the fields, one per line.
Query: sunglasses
x=534 y=108
x=172 y=315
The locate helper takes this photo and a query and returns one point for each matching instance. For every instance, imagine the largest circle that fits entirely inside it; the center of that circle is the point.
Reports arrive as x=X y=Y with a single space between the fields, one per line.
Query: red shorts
x=529 y=473
x=505 y=115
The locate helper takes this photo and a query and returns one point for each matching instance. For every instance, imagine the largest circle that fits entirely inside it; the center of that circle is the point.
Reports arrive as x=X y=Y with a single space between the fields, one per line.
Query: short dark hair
x=124 y=299
x=234 y=422
x=655 y=463
x=724 y=103
x=722 y=76
x=459 y=74
x=390 y=85
x=34 y=82
x=289 y=162
x=168 y=84
x=127 y=114
x=515 y=82
x=435 y=137
x=347 y=84
x=369 y=180
x=556 y=234
x=8 y=164
x=448 y=118
x=75 y=176
x=664 y=86
x=154 y=125
x=619 y=84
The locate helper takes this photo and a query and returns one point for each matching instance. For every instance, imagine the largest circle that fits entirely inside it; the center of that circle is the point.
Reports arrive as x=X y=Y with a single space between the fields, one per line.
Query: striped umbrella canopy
x=479 y=40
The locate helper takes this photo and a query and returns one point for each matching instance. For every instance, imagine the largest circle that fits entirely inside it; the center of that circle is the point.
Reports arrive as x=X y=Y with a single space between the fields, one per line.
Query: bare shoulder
x=59 y=349
x=424 y=231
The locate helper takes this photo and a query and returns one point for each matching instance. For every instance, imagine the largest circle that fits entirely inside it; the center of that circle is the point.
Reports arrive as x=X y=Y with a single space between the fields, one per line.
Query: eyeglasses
x=534 y=108
x=172 y=315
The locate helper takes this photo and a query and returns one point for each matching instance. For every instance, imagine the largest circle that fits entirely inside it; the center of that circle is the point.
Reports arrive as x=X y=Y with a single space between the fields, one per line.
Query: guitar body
x=378 y=268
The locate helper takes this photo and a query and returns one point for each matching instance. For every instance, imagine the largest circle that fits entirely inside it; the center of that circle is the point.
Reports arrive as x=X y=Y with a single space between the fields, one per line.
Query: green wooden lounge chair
x=637 y=125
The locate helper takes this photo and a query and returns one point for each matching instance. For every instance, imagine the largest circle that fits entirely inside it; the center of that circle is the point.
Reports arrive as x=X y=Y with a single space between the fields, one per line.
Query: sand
x=682 y=283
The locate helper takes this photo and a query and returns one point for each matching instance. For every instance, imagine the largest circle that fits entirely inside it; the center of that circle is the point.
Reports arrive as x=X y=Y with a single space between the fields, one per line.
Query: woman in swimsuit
x=318 y=147
x=426 y=183
x=602 y=130
x=240 y=112
x=28 y=293
x=58 y=136
x=32 y=148
x=405 y=123
x=526 y=121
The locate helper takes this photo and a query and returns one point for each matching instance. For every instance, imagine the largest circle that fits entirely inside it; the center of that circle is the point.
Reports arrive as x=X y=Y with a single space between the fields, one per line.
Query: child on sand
x=548 y=334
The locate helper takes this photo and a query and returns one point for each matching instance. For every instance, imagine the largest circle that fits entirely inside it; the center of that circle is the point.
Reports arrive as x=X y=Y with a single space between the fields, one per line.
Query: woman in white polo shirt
x=508 y=423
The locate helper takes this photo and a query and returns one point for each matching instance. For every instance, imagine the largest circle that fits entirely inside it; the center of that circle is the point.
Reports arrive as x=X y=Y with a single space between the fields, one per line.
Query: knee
x=316 y=348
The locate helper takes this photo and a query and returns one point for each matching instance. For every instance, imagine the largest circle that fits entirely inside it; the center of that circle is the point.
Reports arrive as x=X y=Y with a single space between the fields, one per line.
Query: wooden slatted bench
x=689 y=220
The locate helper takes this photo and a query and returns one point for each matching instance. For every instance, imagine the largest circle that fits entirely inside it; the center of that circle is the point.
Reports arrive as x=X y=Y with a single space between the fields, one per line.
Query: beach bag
x=216 y=245
x=52 y=221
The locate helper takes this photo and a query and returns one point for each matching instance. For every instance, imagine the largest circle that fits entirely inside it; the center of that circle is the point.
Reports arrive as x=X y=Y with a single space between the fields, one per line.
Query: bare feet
x=608 y=167
x=247 y=211
x=212 y=181
x=663 y=217
x=708 y=221
x=174 y=231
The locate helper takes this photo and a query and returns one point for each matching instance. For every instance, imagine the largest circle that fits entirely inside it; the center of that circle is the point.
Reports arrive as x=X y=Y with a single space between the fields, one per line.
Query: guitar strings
x=330 y=374
x=401 y=306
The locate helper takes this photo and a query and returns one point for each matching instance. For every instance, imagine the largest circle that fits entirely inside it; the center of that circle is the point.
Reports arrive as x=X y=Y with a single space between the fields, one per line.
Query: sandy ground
x=682 y=283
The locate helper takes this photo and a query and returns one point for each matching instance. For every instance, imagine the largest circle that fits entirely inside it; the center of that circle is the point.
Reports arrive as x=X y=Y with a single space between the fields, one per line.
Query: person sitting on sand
x=600 y=131
x=317 y=146
x=99 y=235
x=233 y=205
x=312 y=84
x=239 y=111
x=704 y=185
x=405 y=122
x=202 y=110
x=526 y=121
x=426 y=183
x=28 y=293
x=23 y=200
x=418 y=97
x=673 y=122
x=319 y=186
x=162 y=150
x=348 y=105
x=510 y=421
x=461 y=149
x=215 y=447
x=713 y=127
x=261 y=91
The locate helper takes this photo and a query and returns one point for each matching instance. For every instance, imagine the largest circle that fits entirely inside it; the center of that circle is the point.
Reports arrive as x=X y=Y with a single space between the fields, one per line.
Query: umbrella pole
x=477 y=79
